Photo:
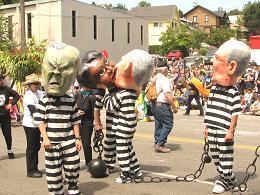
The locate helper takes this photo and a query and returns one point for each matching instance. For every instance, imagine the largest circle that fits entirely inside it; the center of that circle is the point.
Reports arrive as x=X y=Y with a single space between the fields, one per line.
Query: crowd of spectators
x=248 y=84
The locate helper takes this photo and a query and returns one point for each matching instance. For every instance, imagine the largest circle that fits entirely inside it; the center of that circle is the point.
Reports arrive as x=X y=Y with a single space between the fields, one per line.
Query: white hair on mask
x=239 y=52
x=143 y=65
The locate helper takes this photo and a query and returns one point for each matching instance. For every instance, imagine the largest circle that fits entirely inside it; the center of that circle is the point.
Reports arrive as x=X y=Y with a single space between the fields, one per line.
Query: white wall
x=84 y=39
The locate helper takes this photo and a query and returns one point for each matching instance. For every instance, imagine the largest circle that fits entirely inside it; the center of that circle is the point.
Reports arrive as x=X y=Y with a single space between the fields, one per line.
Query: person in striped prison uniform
x=58 y=118
x=223 y=107
x=130 y=75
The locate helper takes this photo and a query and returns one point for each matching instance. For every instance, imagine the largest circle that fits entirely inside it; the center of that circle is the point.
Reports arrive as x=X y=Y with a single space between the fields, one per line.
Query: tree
x=144 y=4
x=120 y=7
x=7 y=2
x=234 y=12
x=220 y=35
x=176 y=39
x=6 y=30
x=251 y=14
x=197 y=37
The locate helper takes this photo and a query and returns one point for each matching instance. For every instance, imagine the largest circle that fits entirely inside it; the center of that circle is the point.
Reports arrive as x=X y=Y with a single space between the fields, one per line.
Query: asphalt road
x=185 y=141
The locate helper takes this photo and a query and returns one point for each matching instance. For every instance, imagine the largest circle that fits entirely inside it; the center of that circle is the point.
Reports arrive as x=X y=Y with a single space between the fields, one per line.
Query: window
x=29 y=25
x=194 y=18
x=10 y=27
x=142 y=35
x=113 y=30
x=95 y=26
x=128 y=32
x=73 y=23
x=157 y=24
x=206 y=18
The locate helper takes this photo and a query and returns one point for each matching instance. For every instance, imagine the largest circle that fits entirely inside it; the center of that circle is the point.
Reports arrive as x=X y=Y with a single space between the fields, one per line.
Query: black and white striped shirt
x=222 y=104
x=59 y=114
x=122 y=103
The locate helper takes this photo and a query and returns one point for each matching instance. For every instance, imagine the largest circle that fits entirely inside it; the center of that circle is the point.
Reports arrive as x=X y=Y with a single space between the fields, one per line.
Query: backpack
x=150 y=92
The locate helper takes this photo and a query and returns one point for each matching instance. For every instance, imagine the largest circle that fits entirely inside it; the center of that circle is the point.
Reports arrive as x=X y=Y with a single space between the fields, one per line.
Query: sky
x=183 y=5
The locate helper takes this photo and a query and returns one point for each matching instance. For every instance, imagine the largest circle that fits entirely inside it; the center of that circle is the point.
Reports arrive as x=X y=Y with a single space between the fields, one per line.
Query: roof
x=154 y=13
x=26 y=3
x=220 y=14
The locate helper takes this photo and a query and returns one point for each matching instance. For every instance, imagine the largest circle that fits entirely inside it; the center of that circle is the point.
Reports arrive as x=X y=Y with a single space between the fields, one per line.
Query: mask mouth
x=54 y=84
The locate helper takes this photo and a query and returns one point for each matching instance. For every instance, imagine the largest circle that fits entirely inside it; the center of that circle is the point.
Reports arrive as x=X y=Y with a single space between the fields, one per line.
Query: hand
x=175 y=110
x=101 y=86
x=229 y=136
x=78 y=145
x=47 y=143
x=9 y=107
x=206 y=132
x=98 y=127
x=81 y=112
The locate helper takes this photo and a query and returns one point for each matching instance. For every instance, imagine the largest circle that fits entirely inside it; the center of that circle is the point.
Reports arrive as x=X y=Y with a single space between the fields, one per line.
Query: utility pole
x=22 y=25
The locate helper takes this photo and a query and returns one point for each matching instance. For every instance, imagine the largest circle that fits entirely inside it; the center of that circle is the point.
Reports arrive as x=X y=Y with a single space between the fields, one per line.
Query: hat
x=32 y=78
x=2 y=77
x=162 y=64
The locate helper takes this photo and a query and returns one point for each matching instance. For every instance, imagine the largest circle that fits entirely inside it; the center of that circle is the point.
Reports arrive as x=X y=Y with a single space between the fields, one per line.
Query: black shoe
x=34 y=175
x=38 y=171
x=185 y=114
x=201 y=115
x=10 y=155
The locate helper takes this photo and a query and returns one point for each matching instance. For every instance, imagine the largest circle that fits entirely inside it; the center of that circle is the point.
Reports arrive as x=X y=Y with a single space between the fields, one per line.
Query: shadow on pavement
x=239 y=176
x=174 y=147
x=155 y=168
x=90 y=188
x=17 y=155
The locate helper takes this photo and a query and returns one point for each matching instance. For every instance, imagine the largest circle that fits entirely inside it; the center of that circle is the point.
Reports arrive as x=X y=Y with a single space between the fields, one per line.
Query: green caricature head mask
x=60 y=66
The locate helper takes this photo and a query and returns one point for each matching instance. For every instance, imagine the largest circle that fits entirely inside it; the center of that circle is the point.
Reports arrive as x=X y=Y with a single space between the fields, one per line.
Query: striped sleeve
x=112 y=102
x=236 y=107
x=40 y=113
x=99 y=97
x=75 y=117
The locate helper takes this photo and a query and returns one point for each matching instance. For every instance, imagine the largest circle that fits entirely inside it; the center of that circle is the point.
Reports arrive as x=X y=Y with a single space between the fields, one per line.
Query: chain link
x=250 y=171
x=205 y=158
x=97 y=142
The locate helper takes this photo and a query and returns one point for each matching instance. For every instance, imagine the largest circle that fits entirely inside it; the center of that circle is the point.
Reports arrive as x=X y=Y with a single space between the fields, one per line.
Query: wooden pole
x=22 y=25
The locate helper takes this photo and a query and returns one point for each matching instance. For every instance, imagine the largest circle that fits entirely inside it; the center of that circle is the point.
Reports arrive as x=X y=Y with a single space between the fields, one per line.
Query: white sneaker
x=219 y=187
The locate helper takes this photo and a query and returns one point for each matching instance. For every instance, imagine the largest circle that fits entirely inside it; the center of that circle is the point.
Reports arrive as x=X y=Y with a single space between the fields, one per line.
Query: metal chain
x=243 y=185
x=97 y=142
x=205 y=158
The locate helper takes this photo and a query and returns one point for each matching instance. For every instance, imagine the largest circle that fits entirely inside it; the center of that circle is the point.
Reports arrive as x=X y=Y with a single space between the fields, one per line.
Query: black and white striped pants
x=110 y=142
x=62 y=157
x=222 y=154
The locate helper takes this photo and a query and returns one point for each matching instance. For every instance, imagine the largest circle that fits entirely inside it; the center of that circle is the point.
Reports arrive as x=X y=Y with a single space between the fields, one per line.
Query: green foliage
x=251 y=14
x=203 y=51
x=234 y=12
x=5 y=62
x=182 y=38
x=27 y=62
x=5 y=31
x=144 y=4
x=120 y=7
x=154 y=49
x=220 y=35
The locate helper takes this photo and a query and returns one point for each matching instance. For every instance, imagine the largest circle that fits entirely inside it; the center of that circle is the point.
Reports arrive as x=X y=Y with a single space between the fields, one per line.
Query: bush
x=203 y=51
x=154 y=49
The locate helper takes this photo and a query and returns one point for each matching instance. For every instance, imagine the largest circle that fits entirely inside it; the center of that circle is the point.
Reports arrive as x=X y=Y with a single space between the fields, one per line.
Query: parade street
x=186 y=142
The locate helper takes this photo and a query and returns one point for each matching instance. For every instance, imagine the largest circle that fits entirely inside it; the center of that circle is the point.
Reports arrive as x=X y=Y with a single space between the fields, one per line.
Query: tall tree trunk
x=22 y=23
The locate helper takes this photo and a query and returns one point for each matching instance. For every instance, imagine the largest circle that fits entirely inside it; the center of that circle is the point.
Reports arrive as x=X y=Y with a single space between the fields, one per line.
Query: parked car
x=194 y=59
x=209 y=56
x=174 y=55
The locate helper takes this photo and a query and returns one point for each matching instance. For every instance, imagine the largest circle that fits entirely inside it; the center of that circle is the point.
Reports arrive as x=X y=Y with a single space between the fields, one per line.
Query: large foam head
x=59 y=68
x=134 y=69
x=229 y=62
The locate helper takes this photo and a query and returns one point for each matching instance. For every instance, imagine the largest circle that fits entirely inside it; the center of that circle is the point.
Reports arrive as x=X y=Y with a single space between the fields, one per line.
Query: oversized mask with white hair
x=59 y=68
x=229 y=62
x=134 y=70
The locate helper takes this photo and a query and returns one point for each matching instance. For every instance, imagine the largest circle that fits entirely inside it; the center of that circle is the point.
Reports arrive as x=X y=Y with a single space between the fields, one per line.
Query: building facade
x=159 y=19
x=79 y=24
x=205 y=19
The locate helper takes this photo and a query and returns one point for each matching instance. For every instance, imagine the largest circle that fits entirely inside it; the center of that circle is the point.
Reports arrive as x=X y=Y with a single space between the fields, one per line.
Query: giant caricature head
x=229 y=62
x=60 y=66
x=134 y=70
x=93 y=67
